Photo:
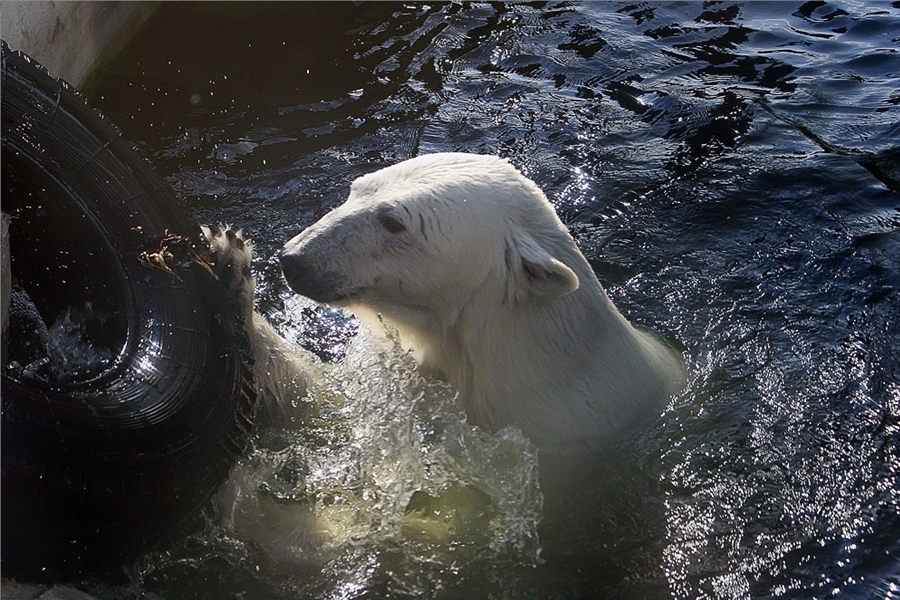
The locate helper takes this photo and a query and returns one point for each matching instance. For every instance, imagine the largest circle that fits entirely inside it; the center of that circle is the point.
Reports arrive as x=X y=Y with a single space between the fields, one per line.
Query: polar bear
x=466 y=259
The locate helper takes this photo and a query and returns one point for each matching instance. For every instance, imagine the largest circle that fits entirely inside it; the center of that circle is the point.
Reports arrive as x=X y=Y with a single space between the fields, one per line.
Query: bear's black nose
x=307 y=277
x=297 y=269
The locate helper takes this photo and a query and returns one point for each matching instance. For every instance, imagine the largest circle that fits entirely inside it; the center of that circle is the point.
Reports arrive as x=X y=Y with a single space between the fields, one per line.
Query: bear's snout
x=305 y=277
x=293 y=262
x=297 y=269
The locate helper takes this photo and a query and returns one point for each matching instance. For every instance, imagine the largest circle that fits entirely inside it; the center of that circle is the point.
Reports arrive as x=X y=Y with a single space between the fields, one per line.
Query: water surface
x=731 y=172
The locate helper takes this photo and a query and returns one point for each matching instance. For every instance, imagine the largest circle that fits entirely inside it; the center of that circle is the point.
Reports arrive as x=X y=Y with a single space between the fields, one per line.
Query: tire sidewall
x=99 y=469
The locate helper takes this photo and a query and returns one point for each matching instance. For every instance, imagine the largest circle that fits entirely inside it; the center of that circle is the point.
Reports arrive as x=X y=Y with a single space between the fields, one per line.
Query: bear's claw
x=230 y=256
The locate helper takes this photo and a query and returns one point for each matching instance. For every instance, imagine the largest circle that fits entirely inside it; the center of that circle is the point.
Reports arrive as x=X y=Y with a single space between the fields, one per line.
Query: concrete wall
x=70 y=38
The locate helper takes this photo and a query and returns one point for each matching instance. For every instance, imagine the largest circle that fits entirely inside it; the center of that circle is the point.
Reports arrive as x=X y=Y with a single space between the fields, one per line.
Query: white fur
x=467 y=259
x=282 y=372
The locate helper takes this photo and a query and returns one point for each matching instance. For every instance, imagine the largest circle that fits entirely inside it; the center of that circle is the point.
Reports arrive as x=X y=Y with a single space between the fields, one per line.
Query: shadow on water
x=729 y=169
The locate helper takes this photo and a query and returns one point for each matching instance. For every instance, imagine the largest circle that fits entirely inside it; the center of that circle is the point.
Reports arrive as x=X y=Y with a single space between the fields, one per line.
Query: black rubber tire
x=98 y=467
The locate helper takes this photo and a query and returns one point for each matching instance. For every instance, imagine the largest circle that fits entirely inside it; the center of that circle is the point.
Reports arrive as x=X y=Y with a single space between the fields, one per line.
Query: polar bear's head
x=429 y=235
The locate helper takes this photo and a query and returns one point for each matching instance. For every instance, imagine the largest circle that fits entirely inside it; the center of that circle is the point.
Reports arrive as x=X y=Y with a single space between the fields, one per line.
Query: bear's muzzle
x=304 y=277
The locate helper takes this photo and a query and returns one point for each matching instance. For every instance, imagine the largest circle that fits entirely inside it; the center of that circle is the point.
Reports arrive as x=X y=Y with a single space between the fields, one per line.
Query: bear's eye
x=392 y=224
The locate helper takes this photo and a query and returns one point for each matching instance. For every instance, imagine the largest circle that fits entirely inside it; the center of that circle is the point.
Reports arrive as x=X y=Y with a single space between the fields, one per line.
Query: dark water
x=731 y=170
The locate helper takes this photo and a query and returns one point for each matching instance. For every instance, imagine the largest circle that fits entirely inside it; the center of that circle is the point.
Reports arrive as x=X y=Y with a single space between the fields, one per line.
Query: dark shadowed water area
x=731 y=171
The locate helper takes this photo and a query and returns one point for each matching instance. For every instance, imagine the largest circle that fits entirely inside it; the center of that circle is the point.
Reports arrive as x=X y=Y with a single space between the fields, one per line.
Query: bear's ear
x=542 y=274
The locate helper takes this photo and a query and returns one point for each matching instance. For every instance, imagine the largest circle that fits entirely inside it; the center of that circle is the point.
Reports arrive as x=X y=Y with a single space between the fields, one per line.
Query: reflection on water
x=731 y=172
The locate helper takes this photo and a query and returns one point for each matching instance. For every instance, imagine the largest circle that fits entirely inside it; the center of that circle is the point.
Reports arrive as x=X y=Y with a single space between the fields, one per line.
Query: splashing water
x=70 y=345
x=66 y=351
x=383 y=485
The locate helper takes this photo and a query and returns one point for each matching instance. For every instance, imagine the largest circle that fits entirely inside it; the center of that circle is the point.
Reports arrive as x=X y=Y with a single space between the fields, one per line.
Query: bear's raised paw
x=231 y=255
